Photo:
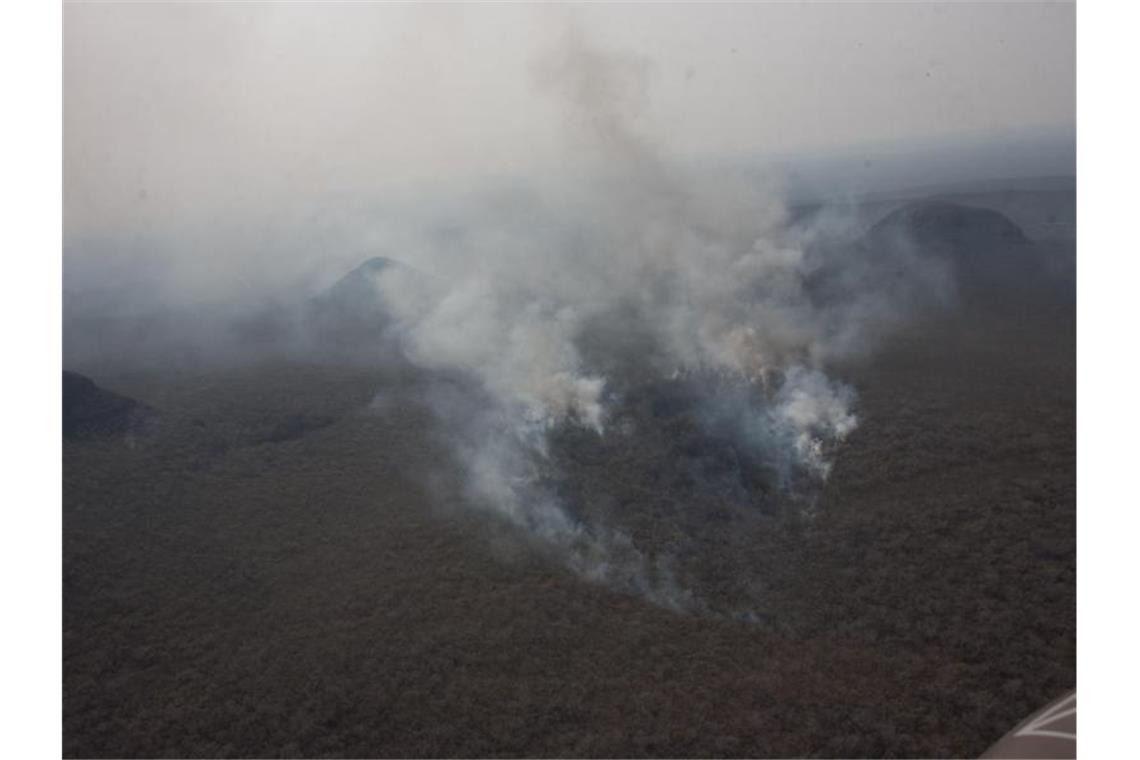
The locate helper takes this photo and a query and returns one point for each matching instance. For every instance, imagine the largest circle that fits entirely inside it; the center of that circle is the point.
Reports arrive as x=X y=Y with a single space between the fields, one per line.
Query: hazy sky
x=182 y=112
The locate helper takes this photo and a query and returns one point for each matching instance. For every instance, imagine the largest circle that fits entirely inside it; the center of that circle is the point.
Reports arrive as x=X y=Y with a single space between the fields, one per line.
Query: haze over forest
x=600 y=380
x=238 y=148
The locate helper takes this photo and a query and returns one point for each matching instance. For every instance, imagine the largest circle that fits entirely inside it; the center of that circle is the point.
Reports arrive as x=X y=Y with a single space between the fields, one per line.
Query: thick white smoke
x=685 y=277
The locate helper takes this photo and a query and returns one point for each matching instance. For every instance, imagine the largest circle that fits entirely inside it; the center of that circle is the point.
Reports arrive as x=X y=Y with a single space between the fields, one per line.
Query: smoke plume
x=641 y=274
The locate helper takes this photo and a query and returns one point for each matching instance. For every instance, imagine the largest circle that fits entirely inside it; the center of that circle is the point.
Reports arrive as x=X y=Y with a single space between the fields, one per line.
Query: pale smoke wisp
x=699 y=277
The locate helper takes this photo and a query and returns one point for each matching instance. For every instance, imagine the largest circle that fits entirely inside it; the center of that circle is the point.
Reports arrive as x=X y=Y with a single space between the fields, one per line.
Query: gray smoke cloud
x=228 y=164
x=537 y=309
x=642 y=270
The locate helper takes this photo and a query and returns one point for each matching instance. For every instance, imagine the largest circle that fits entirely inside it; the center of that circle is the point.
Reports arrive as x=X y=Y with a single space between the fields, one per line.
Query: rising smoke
x=642 y=273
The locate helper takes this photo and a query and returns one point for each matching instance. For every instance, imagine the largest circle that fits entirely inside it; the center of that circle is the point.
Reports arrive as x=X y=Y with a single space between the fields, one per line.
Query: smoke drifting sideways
x=641 y=274
x=553 y=302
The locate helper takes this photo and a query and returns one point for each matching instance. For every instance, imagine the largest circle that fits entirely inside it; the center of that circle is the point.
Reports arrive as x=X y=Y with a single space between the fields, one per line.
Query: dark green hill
x=93 y=412
x=982 y=246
